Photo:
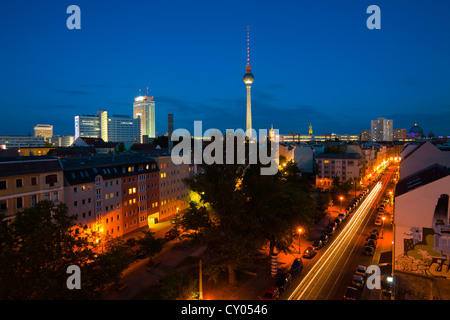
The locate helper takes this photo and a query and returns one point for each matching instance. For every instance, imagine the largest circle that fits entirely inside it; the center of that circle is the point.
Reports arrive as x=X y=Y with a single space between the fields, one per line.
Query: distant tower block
x=170 y=130
x=248 y=80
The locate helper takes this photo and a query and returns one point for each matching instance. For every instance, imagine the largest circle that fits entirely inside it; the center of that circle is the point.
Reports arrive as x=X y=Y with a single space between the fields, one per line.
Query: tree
x=277 y=205
x=150 y=244
x=120 y=147
x=217 y=185
x=195 y=221
x=40 y=244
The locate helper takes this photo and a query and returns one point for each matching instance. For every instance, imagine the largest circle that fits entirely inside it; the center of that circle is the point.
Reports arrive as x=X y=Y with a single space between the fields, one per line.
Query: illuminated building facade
x=43 y=130
x=115 y=128
x=119 y=128
x=344 y=166
x=114 y=194
x=144 y=108
x=87 y=126
x=382 y=130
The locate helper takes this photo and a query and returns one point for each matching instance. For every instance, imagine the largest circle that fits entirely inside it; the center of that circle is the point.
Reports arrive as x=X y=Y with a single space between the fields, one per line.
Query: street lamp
x=340 y=205
x=382 y=226
x=300 y=230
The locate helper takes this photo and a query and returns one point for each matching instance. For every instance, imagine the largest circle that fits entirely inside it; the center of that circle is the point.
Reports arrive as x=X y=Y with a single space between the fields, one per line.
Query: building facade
x=382 y=130
x=173 y=193
x=24 y=181
x=17 y=142
x=119 y=128
x=43 y=130
x=112 y=195
x=343 y=166
x=87 y=126
x=144 y=109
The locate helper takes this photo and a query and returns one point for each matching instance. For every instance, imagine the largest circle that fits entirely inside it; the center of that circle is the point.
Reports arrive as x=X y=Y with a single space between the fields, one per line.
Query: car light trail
x=330 y=254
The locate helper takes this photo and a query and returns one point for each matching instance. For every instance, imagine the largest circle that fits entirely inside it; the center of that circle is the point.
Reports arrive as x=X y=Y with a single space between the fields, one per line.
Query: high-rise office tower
x=87 y=126
x=43 y=130
x=144 y=108
x=115 y=128
x=248 y=80
x=119 y=128
x=382 y=130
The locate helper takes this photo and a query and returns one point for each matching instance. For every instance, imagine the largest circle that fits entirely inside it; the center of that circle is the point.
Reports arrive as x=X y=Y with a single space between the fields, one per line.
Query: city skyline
x=314 y=63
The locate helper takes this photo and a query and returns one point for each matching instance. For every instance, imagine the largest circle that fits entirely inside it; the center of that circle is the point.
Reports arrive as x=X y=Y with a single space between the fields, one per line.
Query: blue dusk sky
x=313 y=62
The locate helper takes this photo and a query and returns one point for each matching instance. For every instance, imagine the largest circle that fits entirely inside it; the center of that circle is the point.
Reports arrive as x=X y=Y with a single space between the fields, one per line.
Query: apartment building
x=344 y=166
x=24 y=181
x=173 y=193
x=111 y=194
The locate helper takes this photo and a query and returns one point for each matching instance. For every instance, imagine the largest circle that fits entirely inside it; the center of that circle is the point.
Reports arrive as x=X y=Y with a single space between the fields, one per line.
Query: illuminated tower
x=248 y=79
x=144 y=108
x=310 y=132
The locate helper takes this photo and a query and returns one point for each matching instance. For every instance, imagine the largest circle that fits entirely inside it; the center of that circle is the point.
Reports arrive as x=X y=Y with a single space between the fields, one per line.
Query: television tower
x=248 y=80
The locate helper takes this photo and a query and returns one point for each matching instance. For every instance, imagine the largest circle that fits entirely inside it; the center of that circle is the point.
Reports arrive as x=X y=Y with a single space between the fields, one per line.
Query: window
x=51 y=179
x=19 y=183
x=55 y=196
x=3 y=185
x=47 y=196
x=33 y=199
x=19 y=203
x=3 y=205
x=33 y=181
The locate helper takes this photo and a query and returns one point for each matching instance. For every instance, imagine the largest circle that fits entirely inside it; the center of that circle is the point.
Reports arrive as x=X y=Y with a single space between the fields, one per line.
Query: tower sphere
x=248 y=78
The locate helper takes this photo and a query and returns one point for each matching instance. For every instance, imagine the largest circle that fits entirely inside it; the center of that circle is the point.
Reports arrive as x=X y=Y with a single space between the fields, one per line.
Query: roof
x=98 y=143
x=72 y=151
x=339 y=156
x=17 y=166
x=85 y=169
x=421 y=178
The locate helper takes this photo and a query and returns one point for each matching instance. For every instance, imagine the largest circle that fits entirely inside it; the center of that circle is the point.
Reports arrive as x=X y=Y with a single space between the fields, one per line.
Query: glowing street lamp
x=300 y=230
x=340 y=205
x=382 y=226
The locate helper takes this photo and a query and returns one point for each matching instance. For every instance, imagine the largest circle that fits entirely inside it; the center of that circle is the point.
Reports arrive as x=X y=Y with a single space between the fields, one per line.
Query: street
x=332 y=271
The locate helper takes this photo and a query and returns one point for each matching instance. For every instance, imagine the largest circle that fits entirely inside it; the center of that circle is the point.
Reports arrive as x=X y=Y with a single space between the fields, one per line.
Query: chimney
x=170 y=131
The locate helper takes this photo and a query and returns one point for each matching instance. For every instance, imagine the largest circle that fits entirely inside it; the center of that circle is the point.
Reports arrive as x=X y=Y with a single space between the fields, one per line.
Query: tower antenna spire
x=248 y=45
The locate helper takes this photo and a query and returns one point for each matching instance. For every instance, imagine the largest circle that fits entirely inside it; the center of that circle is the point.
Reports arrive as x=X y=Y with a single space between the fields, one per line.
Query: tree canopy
x=38 y=246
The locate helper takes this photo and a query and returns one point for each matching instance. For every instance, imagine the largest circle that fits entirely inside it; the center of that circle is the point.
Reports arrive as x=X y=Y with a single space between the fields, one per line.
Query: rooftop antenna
x=147 y=91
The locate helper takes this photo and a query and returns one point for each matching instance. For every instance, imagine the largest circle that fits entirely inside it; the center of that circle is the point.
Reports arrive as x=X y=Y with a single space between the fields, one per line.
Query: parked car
x=358 y=281
x=309 y=253
x=317 y=244
x=371 y=243
x=375 y=231
x=372 y=236
x=297 y=265
x=368 y=250
x=337 y=221
x=341 y=216
x=324 y=238
x=361 y=270
x=378 y=222
x=330 y=231
x=350 y=293
x=171 y=234
x=283 y=281
x=271 y=293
